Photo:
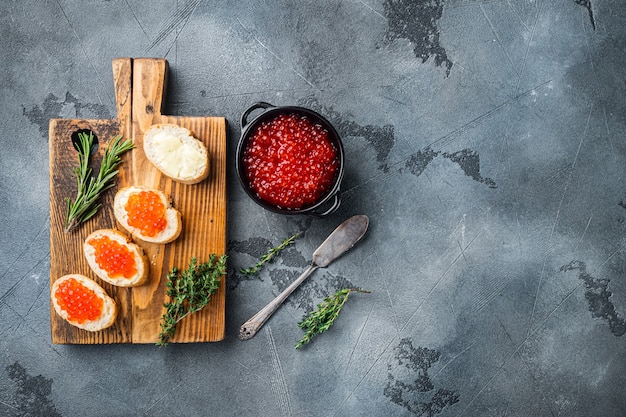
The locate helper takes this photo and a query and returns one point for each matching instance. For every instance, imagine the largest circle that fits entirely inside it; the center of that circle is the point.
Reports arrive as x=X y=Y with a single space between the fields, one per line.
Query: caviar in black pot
x=290 y=162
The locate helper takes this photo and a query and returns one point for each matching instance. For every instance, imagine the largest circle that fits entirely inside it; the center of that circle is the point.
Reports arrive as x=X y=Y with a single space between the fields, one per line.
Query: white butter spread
x=177 y=158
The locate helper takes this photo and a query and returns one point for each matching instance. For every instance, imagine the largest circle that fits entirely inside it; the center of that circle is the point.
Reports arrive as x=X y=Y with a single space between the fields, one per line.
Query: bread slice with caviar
x=83 y=303
x=175 y=152
x=147 y=214
x=115 y=258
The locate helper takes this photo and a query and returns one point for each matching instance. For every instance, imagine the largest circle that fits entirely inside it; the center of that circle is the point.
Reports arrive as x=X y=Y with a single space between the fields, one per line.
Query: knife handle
x=249 y=328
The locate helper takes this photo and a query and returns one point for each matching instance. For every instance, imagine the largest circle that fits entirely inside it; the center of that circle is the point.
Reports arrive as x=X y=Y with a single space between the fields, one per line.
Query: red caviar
x=114 y=258
x=290 y=162
x=80 y=303
x=146 y=212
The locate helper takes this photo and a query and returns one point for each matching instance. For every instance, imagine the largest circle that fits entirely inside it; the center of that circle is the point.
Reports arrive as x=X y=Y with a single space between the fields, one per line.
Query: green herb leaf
x=89 y=189
x=269 y=255
x=189 y=291
x=321 y=319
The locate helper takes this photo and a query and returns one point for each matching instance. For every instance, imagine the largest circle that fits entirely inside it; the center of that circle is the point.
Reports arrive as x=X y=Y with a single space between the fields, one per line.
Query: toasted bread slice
x=175 y=152
x=135 y=223
x=119 y=261
x=70 y=290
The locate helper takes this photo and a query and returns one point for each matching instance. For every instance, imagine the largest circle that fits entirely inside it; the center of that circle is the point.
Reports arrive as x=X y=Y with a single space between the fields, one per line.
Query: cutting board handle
x=149 y=88
x=123 y=81
x=140 y=89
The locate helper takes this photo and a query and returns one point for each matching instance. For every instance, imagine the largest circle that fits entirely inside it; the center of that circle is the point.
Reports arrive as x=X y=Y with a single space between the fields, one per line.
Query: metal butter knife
x=344 y=237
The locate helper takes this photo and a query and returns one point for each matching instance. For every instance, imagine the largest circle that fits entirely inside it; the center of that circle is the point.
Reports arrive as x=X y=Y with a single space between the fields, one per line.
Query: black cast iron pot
x=329 y=202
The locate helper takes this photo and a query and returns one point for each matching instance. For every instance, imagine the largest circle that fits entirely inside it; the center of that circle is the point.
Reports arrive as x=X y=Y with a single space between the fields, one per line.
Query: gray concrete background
x=484 y=139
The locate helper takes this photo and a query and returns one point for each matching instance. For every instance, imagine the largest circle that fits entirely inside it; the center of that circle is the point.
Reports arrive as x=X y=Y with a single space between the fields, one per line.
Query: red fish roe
x=290 y=162
x=80 y=303
x=146 y=212
x=114 y=258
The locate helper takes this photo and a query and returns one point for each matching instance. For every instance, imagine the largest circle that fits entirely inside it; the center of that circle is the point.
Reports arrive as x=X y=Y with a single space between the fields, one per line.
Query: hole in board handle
x=76 y=140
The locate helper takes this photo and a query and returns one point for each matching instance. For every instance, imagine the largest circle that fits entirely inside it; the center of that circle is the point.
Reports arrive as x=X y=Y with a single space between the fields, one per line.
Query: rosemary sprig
x=189 y=291
x=269 y=255
x=320 y=320
x=89 y=188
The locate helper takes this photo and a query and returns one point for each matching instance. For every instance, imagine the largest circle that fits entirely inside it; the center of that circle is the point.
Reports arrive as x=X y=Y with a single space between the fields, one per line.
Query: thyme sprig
x=189 y=291
x=269 y=255
x=321 y=319
x=89 y=189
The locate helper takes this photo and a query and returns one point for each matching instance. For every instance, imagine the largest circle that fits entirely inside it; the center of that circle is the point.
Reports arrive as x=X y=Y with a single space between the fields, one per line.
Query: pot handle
x=258 y=105
x=334 y=206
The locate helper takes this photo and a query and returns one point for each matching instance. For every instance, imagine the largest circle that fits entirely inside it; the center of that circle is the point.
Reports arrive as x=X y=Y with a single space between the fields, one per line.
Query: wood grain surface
x=140 y=86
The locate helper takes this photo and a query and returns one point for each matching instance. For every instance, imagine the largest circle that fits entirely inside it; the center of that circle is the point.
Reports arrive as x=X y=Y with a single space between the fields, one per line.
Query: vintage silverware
x=344 y=237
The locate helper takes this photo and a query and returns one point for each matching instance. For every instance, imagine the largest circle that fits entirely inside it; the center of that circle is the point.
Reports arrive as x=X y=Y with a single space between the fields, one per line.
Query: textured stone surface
x=484 y=139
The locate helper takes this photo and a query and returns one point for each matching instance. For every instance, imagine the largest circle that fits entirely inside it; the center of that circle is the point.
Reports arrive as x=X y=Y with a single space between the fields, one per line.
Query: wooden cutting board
x=140 y=86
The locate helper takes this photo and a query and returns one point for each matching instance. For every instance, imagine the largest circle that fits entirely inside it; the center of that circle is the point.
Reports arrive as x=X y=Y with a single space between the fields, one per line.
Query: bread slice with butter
x=175 y=152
